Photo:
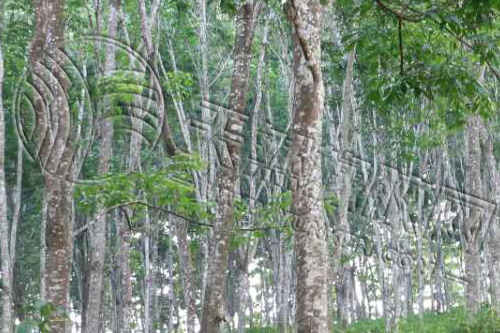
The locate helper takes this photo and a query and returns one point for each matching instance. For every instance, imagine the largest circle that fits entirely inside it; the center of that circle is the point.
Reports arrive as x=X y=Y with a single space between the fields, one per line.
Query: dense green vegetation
x=456 y=320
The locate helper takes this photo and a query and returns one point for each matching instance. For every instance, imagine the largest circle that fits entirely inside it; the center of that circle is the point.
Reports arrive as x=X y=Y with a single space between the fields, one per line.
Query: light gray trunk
x=438 y=273
x=124 y=294
x=344 y=187
x=494 y=231
x=471 y=224
x=207 y=179
x=56 y=152
x=97 y=231
x=171 y=297
x=213 y=312
x=305 y=165
x=188 y=273
x=4 y=221
x=246 y=253
x=285 y=275
x=420 y=255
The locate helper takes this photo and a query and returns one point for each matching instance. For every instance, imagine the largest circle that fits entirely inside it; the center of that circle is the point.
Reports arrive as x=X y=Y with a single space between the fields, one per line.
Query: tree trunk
x=186 y=264
x=213 y=313
x=419 y=234
x=13 y=231
x=438 y=273
x=285 y=270
x=494 y=232
x=305 y=162
x=344 y=188
x=471 y=226
x=97 y=231
x=171 y=296
x=208 y=178
x=4 y=221
x=124 y=290
x=55 y=153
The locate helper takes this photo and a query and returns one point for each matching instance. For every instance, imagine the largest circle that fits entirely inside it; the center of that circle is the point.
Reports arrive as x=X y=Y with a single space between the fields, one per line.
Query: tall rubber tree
x=213 y=312
x=55 y=152
x=305 y=163
x=97 y=241
x=4 y=222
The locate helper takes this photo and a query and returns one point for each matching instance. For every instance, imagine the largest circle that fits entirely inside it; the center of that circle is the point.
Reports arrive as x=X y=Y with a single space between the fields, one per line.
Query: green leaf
x=228 y=7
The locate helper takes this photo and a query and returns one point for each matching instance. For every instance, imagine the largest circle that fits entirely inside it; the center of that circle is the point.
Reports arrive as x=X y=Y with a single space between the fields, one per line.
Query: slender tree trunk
x=494 y=234
x=151 y=280
x=124 y=292
x=305 y=162
x=56 y=152
x=148 y=281
x=285 y=272
x=97 y=231
x=213 y=312
x=186 y=264
x=471 y=225
x=171 y=296
x=43 y=249
x=420 y=255
x=15 y=221
x=4 y=221
x=344 y=186
x=207 y=179
x=245 y=254
x=438 y=273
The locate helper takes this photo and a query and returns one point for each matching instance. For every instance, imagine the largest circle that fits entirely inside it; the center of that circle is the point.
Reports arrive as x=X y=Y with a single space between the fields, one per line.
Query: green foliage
x=456 y=320
x=179 y=83
x=273 y=215
x=430 y=77
x=168 y=185
x=330 y=202
x=262 y=330
x=40 y=323
x=363 y=326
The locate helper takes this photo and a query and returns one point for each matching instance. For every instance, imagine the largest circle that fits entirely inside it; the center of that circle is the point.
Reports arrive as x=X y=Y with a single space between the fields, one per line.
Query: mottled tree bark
x=11 y=284
x=124 y=290
x=55 y=153
x=494 y=231
x=213 y=313
x=419 y=226
x=207 y=154
x=188 y=273
x=438 y=272
x=207 y=178
x=97 y=231
x=285 y=283
x=344 y=188
x=471 y=226
x=305 y=163
x=245 y=254
x=4 y=221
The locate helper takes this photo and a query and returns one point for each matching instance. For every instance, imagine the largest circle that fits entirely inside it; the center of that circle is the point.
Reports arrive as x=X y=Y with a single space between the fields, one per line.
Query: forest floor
x=456 y=320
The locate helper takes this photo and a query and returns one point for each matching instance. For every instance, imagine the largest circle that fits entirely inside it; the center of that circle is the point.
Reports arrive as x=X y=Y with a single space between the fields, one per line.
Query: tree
x=4 y=221
x=55 y=153
x=305 y=162
x=97 y=232
x=213 y=312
